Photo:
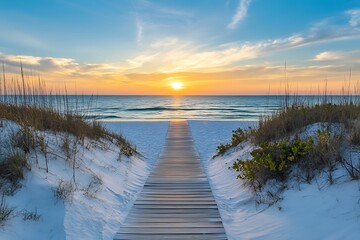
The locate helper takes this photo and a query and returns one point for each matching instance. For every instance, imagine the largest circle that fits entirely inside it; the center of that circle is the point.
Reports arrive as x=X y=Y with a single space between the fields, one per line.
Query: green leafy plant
x=272 y=160
x=324 y=156
x=238 y=136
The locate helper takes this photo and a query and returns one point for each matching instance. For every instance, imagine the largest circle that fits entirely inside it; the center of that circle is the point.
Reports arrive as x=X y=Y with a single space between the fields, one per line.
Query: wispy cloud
x=115 y=78
x=139 y=30
x=240 y=13
x=328 y=56
x=38 y=63
x=173 y=57
x=344 y=57
x=173 y=54
x=254 y=79
x=158 y=9
x=354 y=17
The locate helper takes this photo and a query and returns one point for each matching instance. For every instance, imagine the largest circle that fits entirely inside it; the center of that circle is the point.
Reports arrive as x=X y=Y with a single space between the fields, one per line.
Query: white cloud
x=327 y=56
x=240 y=14
x=39 y=63
x=139 y=30
x=139 y=61
x=175 y=55
x=347 y=57
x=52 y=66
x=181 y=60
x=354 y=17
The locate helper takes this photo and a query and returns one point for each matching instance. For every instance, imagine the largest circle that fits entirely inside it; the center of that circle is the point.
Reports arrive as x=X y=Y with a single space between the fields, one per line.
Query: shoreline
x=240 y=215
x=176 y=119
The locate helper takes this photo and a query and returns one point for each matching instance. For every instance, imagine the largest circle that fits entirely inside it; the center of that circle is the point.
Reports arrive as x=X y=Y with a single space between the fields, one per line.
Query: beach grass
x=295 y=117
x=280 y=154
x=36 y=111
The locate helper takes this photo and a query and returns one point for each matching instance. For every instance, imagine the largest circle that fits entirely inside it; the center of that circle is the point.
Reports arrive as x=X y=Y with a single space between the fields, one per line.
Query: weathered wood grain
x=176 y=201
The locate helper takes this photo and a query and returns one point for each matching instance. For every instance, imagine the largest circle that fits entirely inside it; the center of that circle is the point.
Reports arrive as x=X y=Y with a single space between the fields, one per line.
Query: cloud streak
x=173 y=54
x=116 y=78
x=139 y=30
x=338 y=56
x=171 y=57
x=240 y=14
x=354 y=17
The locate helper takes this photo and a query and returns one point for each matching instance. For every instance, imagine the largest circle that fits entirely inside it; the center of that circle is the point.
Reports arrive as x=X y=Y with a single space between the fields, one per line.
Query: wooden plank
x=160 y=217
x=177 y=198
x=172 y=219
x=175 y=211
x=176 y=201
x=139 y=236
x=186 y=225
x=174 y=206
x=172 y=230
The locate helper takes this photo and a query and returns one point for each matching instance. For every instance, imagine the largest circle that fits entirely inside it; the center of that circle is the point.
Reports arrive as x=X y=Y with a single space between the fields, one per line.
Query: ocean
x=155 y=108
x=162 y=108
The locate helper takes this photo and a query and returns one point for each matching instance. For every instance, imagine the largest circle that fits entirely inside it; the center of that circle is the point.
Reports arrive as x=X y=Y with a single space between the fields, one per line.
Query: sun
x=176 y=85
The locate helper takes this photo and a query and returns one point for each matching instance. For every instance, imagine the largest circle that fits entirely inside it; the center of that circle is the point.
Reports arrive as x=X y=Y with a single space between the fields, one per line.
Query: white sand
x=316 y=211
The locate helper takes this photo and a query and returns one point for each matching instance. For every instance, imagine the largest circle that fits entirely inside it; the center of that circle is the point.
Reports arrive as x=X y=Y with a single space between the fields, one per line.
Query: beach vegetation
x=272 y=160
x=12 y=168
x=64 y=190
x=284 y=149
x=5 y=211
x=28 y=103
x=32 y=120
x=294 y=118
x=94 y=186
x=31 y=215
x=238 y=136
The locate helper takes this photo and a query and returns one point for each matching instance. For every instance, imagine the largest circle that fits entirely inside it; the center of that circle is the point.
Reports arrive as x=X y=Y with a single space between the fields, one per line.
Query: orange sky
x=212 y=47
x=244 y=81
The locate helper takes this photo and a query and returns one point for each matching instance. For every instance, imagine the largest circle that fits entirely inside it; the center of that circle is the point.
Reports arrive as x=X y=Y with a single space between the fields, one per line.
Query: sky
x=211 y=47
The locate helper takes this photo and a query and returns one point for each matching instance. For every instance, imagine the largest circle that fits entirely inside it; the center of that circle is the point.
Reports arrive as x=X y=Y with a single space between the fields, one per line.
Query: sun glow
x=176 y=85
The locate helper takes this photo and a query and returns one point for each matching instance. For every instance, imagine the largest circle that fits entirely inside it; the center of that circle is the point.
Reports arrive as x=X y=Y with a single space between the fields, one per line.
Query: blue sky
x=134 y=43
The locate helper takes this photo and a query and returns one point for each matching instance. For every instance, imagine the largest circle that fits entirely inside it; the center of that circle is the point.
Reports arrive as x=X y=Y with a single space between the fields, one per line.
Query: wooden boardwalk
x=176 y=201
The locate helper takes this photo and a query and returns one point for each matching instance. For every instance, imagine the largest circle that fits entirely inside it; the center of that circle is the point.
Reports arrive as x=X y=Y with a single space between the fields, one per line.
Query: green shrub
x=221 y=149
x=324 y=156
x=272 y=160
x=238 y=136
x=302 y=158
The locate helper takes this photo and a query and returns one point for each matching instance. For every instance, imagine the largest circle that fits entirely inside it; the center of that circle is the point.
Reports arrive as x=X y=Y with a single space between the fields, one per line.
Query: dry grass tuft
x=281 y=154
x=294 y=118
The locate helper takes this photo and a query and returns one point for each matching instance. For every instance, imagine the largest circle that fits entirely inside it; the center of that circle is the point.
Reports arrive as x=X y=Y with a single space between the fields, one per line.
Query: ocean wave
x=179 y=109
x=99 y=117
